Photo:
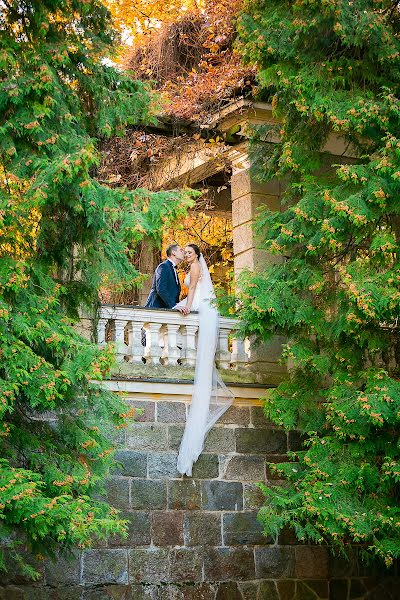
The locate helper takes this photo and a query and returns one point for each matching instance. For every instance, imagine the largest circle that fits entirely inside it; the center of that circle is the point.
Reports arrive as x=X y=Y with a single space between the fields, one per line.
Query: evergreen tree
x=61 y=234
x=332 y=67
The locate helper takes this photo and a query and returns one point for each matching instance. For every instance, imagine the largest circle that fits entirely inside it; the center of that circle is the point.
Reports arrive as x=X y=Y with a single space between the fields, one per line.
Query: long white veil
x=211 y=398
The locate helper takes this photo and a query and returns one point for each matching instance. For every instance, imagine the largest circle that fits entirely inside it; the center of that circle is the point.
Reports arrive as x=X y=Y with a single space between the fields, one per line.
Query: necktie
x=176 y=275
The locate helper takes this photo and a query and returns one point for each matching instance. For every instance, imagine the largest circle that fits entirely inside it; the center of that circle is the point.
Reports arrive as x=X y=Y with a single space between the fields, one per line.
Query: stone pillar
x=247 y=196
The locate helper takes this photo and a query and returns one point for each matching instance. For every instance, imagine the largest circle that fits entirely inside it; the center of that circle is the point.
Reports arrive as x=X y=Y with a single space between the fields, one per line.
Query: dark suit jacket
x=164 y=291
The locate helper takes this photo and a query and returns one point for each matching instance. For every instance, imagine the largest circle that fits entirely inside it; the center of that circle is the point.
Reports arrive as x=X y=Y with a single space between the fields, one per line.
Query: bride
x=210 y=398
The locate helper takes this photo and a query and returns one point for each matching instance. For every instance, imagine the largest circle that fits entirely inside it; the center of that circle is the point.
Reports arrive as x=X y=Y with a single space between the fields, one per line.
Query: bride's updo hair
x=196 y=249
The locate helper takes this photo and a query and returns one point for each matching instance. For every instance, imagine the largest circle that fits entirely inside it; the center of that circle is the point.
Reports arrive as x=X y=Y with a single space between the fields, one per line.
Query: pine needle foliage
x=331 y=69
x=61 y=235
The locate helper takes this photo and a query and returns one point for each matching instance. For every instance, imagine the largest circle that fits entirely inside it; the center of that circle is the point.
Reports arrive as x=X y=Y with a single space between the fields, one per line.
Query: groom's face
x=178 y=253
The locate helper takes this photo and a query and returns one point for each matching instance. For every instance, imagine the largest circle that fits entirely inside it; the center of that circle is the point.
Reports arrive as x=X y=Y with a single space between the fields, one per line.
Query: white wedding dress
x=210 y=398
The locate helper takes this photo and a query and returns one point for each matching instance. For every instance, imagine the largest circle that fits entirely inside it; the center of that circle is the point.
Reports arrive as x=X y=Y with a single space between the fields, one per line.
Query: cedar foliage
x=332 y=66
x=62 y=233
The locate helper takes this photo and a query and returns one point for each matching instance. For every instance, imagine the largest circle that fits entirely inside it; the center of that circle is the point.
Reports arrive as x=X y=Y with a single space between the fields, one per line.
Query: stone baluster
x=238 y=357
x=189 y=345
x=223 y=356
x=101 y=331
x=173 y=352
x=119 y=338
x=153 y=348
x=135 y=348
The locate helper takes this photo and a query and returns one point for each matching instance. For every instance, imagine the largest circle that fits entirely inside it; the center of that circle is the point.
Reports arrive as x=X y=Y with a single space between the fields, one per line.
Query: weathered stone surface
x=143 y=436
x=339 y=588
x=357 y=589
x=229 y=591
x=206 y=467
x=163 y=465
x=167 y=528
x=171 y=412
x=258 y=418
x=175 y=433
x=225 y=564
x=189 y=591
x=148 y=494
x=108 y=592
x=202 y=528
x=311 y=562
x=242 y=528
x=256 y=441
x=104 y=566
x=186 y=564
x=295 y=440
x=253 y=497
x=244 y=468
x=133 y=464
x=249 y=590
x=268 y=591
x=149 y=565
x=143 y=592
x=303 y=592
x=274 y=562
x=320 y=587
x=236 y=415
x=146 y=411
x=184 y=495
x=63 y=571
x=138 y=530
x=222 y=495
x=118 y=491
x=220 y=439
x=286 y=589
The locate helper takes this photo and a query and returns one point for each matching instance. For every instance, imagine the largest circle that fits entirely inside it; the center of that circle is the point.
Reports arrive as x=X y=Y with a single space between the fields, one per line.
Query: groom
x=166 y=288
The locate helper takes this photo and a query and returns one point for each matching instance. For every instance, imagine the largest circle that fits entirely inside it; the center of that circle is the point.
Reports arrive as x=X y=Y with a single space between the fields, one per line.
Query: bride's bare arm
x=194 y=278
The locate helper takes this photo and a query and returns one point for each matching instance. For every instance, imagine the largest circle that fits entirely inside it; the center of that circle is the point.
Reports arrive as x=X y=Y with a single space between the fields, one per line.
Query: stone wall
x=198 y=538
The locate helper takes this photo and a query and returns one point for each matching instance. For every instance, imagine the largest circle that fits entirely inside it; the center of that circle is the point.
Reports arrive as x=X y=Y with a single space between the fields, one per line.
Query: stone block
x=104 y=566
x=138 y=530
x=229 y=591
x=202 y=528
x=243 y=183
x=258 y=418
x=339 y=589
x=132 y=464
x=206 y=467
x=148 y=494
x=143 y=592
x=186 y=564
x=311 y=562
x=244 y=468
x=303 y=592
x=175 y=433
x=188 y=591
x=220 y=439
x=225 y=564
x=249 y=590
x=150 y=565
x=236 y=415
x=184 y=495
x=256 y=441
x=167 y=528
x=295 y=440
x=222 y=495
x=118 y=491
x=320 y=587
x=243 y=238
x=108 y=592
x=286 y=589
x=242 y=528
x=142 y=436
x=163 y=465
x=253 y=497
x=274 y=562
x=171 y=412
x=65 y=570
x=146 y=410
x=268 y=591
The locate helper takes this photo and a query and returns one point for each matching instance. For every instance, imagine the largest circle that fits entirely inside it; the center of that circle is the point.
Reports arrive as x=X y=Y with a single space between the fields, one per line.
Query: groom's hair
x=171 y=248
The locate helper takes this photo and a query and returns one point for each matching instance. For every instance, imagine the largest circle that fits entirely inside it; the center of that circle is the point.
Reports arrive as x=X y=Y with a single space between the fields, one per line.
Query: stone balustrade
x=161 y=336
